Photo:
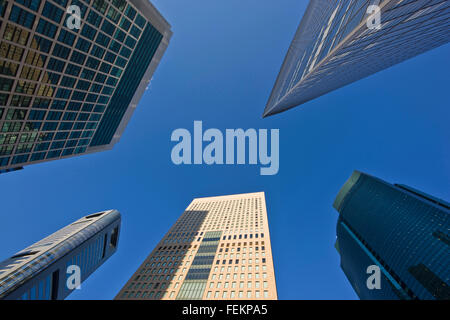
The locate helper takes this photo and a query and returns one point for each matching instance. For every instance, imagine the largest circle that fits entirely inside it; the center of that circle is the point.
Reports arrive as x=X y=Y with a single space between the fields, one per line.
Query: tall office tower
x=394 y=234
x=47 y=270
x=69 y=88
x=340 y=41
x=218 y=249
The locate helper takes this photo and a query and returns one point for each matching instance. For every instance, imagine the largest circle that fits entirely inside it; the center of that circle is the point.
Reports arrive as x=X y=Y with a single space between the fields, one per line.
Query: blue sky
x=220 y=67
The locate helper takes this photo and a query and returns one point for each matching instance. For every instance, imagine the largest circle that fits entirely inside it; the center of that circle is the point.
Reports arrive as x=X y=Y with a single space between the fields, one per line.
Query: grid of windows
x=57 y=83
x=37 y=272
x=218 y=249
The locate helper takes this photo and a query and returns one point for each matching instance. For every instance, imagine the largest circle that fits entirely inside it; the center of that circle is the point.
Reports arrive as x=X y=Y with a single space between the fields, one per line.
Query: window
x=56 y=65
x=88 y=32
x=130 y=42
x=68 y=82
x=108 y=27
x=31 y=4
x=130 y=12
x=83 y=45
x=20 y=101
x=37 y=59
x=73 y=70
x=92 y=63
x=100 y=5
x=28 y=73
x=87 y=74
x=103 y=39
x=66 y=37
x=6 y=84
x=41 y=44
x=11 y=52
x=54 y=115
x=37 y=156
x=140 y=21
x=119 y=35
x=78 y=57
x=84 y=85
x=115 y=46
x=119 y=4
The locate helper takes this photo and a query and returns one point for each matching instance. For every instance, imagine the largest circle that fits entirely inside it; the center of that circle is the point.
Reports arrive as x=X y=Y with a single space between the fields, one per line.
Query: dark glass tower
x=69 y=90
x=402 y=231
x=42 y=271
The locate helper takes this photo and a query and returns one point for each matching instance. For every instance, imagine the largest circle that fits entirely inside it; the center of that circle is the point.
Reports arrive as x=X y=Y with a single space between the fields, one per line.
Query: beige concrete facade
x=219 y=249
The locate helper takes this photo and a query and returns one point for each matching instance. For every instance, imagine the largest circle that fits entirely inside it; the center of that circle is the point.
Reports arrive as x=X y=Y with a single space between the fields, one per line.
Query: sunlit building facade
x=219 y=249
x=68 y=89
x=402 y=231
x=341 y=41
x=43 y=270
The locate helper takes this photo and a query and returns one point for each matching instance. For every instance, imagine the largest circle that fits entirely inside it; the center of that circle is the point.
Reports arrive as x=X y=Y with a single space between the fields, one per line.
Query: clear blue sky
x=220 y=67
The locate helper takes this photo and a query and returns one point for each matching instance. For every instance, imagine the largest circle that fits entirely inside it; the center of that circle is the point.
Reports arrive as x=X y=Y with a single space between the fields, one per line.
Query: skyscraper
x=341 y=41
x=43 y=270
x=68 y=89
x=398 y=230
x=218 y=249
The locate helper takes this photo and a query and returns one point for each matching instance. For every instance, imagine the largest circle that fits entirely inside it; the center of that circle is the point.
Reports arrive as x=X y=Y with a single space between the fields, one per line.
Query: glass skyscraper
x=42 y=271
x=219 y=249
x=340 y=41
x=68 y=89
x=402 y=231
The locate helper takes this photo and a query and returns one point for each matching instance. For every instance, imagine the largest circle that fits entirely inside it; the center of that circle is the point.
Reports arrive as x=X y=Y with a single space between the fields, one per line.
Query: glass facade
x=218 y=249
x=63 y=90
x=400 y=230
x=40 y=272
x=334 y=45
x=41 y=291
